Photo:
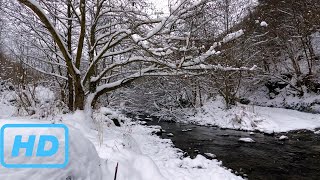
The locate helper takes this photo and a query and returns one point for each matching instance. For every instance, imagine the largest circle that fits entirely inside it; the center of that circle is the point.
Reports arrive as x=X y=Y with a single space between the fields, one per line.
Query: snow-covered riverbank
x=246 y=117
x=139 y=154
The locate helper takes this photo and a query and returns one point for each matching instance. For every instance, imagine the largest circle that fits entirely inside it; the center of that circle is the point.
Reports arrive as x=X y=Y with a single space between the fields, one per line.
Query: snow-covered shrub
x=285 y=97
x=215 y=112
x=107 y=117
x=7 y=98
x=164 y=97
x=37 y=101
x=243 y=116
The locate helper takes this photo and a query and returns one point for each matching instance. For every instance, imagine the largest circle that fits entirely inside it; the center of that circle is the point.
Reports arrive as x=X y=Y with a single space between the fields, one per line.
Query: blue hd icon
x=29 y=145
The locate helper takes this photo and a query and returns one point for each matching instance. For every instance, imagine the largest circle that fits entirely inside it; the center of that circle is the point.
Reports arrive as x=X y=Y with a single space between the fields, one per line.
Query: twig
x=116 y=172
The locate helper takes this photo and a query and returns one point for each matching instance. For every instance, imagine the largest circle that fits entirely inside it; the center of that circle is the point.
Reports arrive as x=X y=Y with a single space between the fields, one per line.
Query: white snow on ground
x=210 y=155
x=283 y=137
x=246 y=140
x=170 y=161
x=170 y=135
x=139 y=154
x=264 y=24
x=246 y=117
x=284 y=99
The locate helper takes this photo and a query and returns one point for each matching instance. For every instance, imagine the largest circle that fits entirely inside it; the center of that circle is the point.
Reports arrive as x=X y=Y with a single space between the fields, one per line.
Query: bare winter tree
x=97 y=46
x=234 y=52
x=288 y=55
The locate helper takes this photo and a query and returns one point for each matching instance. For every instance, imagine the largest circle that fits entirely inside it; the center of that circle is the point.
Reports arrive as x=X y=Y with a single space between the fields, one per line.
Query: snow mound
x=116 y=145
x=119 y=147
x=264 y=24
x=210 y=155
x=282 y=138
x=246 y=140
x=170 y=135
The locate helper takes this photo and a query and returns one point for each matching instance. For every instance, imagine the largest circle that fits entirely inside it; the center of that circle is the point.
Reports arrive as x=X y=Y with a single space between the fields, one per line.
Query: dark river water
x=268 y=158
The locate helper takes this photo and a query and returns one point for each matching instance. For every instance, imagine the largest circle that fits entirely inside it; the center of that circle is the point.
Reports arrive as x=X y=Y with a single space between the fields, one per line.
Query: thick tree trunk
x=79 y=96
x=70 y=94
x=69 y=43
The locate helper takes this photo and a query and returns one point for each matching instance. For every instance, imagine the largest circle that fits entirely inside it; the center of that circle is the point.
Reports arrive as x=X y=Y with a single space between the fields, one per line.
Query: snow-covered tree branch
x=97 y=46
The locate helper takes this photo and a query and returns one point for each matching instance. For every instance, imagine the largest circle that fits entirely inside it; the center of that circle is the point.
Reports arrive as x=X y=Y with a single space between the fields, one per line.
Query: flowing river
x=268 y=158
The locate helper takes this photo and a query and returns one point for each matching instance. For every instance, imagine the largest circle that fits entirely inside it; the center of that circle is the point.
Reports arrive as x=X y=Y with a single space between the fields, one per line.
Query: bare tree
x=97 y=46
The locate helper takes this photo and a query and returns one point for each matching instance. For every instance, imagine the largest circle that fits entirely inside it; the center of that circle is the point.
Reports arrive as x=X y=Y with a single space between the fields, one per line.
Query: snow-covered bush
x=164 y=97
x=7 y=98
x=109 y=117
x=215 y=112
x=243 y=116
x=37 y=101
x=284 y=97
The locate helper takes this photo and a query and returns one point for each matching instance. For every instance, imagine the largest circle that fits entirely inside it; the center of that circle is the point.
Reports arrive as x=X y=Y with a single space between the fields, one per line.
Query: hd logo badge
x=34 y=146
